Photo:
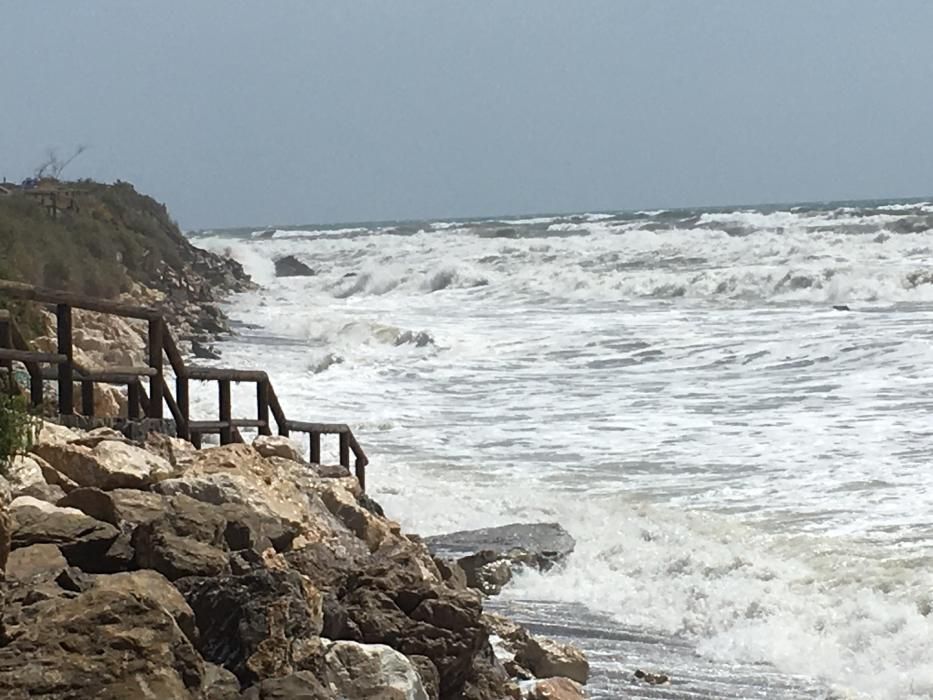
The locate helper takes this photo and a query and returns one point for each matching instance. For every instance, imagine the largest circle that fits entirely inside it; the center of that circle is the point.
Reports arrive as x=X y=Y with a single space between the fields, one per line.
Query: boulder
x=372 y=670
x=91 y=501
x=278 y=446
x=152 y=586
x=302 y=685
x=108 y=465
x=54 y=434
x=290 y=266
x=101 y=644
x=554 y=689
x=133 y=507
x=50 y=493
x=220 y=684
x=81 y=538
x=156 y=547
x=260 y=625
x=177 y=452
x=23 y=472
x=35 y=560
x=482 y=553
x=541 y=656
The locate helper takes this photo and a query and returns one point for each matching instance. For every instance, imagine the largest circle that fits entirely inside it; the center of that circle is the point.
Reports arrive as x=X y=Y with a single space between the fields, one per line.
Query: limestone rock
x=253 y=625
x=153 y=587
x=220 y=684
x=108 y=465
x=302 y=685
x=101 y=644
x=92 y=501
x=554 y=689
x=372 y=670
x=81 y=538
x=175 y=556
x=54 y=434
x=177 y=452
x=50 y=493
x=278 y=446
x=35 y=560
x=545 y=658
x=22 y=473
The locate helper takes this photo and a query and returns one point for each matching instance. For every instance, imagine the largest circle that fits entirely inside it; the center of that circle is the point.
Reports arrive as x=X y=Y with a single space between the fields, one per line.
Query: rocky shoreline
x=154 y=570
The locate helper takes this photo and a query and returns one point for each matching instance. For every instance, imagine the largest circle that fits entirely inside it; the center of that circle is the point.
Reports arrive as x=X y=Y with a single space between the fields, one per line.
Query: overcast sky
x=253 y=113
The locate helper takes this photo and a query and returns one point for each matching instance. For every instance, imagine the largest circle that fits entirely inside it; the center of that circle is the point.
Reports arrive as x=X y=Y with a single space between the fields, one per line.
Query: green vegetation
x=18 y=427
x=116 y=235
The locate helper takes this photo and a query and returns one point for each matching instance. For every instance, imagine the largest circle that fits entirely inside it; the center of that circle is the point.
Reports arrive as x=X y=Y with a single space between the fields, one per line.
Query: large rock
x=260 y=625
x=486 y=555
x=23 y=472
x=81 y=538
x=543 y=657
x=302 y=685
x=35 y=560
x=278 y=446
x=110 y=464
x=554 y=689
x=101 y=644
x=370 y=671
x=54 y=434
x=290 y=266
x=153 y=587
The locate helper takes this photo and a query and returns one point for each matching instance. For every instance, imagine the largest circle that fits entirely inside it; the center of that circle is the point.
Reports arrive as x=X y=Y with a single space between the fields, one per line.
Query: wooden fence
x=60 y=367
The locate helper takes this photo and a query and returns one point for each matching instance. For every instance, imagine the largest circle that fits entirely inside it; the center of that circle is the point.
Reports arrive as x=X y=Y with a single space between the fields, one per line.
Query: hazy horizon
x=256 y=115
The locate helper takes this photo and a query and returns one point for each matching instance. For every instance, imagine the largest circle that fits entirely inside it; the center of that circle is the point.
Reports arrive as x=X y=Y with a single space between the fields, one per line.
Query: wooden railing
x=63 y=370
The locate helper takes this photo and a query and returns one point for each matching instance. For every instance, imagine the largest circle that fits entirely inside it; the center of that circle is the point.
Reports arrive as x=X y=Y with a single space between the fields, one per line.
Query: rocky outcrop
x=372 y=670
x=489 y=556
x=246 y=573
x=524 y=654
x=290 y=266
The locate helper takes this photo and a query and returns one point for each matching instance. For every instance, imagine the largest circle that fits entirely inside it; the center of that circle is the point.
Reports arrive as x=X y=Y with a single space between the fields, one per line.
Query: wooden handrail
x=13 y=348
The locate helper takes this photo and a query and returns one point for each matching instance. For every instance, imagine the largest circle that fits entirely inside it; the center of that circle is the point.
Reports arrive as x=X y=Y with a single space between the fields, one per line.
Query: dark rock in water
x=841 y=307
x=204 y=352
x=290 y=266
x=482 y=553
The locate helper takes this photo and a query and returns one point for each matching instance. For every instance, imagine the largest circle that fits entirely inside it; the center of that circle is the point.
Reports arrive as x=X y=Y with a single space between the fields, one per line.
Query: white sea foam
x=742 y=465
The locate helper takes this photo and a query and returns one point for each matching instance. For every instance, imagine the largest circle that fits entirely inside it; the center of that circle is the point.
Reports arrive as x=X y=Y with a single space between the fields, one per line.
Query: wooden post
x=226 y=433
x=181 y=396
x=35 y=387
x=345 y=450
x=315 y=452
x=196 y=440
x=262 y=406
x=6 y=341
x=87 y=397
x=65 y=369
x=132 y=400
x=361 y=473
x=155 y=362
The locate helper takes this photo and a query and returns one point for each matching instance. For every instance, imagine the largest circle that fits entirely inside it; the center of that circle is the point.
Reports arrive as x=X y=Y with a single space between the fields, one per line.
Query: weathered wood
x=65 y=383
x=115 y=375
x=155 y=362
x=87 y=397
x=222 y=374
x=314 y=452
x=345 y=450
x=44 y=295
x=262 y=406
x=325 y=428
x=223 y=388
x=172 y=405
x=280 y=420
x=6 y=339
x=133 y=400
x=174 y=356
x=29 y=356
x=208 y=426
x=181 y=395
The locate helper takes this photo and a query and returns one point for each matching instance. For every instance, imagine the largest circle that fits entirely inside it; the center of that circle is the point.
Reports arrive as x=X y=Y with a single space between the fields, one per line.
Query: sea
x=730 y=409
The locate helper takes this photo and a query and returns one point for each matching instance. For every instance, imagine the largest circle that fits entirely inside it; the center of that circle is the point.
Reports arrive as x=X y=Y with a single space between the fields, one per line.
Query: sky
x=296 y=111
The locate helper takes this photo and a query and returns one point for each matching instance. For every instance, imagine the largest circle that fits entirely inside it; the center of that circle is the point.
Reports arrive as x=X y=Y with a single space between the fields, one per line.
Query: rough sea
x=746 y=469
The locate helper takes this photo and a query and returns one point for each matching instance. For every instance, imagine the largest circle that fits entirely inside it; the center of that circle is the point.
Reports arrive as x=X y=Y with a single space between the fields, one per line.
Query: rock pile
x=239 y=572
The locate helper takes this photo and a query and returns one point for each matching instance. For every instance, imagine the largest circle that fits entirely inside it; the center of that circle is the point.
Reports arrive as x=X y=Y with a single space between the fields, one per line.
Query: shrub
x=18 y=427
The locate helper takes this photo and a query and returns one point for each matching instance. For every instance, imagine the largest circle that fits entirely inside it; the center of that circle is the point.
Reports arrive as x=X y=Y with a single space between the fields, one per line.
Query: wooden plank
x=44 y=295
x=135 y=372
x=277 y=411
x=249 y=423
x=132 y=400
x=65 y=385
x=181 y=394
x=155 y=363
x=223 y=374
x=325 y=428
x=223 y=389
x=25 y=356
x=87 y=397
x=262 y=406
x=208 y=426
x=172 y=406
x=174 y=355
